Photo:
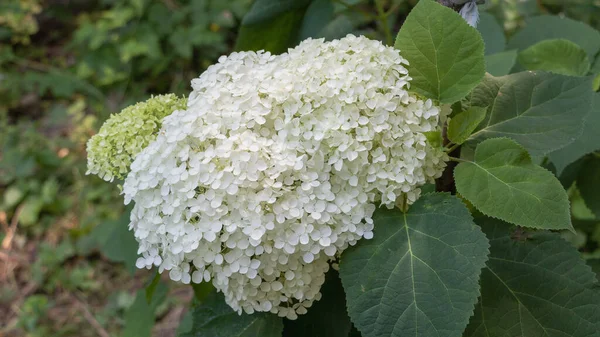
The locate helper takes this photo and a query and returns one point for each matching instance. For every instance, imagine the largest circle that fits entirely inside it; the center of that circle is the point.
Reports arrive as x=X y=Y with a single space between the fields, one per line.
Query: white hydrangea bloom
x=277 y=166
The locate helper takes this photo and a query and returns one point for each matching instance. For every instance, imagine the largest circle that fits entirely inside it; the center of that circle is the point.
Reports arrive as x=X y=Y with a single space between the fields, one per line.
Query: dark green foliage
x=139 y=319
x=444 y=52
x=327 y=317
x=214 y=318
x=534 y=284
x=542 y=111
x=418 y=275
x=502 y=182
x=588 y=182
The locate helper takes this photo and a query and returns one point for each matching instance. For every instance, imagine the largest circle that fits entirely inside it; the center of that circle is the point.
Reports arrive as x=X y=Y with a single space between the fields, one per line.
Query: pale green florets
x=124 y=135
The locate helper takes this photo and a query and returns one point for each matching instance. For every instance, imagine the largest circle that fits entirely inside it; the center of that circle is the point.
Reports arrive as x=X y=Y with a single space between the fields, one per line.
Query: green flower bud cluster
x=124 y=135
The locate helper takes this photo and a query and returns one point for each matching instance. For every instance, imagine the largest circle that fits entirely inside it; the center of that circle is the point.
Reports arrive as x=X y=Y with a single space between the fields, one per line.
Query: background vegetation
x=66 y=256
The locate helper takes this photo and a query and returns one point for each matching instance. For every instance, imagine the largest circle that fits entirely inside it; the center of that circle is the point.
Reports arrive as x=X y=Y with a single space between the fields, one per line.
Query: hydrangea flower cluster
x=277 y=165
x=124 y=135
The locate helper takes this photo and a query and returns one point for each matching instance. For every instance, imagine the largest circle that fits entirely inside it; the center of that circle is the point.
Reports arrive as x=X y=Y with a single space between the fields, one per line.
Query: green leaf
x=568 y=176
x=503 y=183
x=265 y=10
x=462 y=125
x=32 y=207
x=500 y=64
x=588 y=182
x=185 y=324
x=596 y=67
x=318 y=15
x=558 y=56
x=546 y=27
x=272 y=25
x=117 y=242
x=326 y=317
x=12 y=196
x=418 y=275
x=543 y=112
x=151 y=288
x=339 y=27
x=444 y=52
x=596 y=70
x=214 y=318
x=434 y=138
x=201 y=290
x=535 y=284
x=492 y=34
x=588 y=142
x=579 y=210
x=139 y=318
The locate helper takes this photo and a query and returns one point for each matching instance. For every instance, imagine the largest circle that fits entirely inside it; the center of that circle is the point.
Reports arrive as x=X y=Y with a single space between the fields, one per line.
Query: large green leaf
x=535 y=284
x=588 y=182
x=418 y=275
x=318 y=15
x=589 y=140
x=500 y=64
x=568 y=176
x=502 y=182
x=151 y=287
x=139 y=318
x=445 y=53
x=265 y=10
x=116 y=241
x=558 y=56
x=462 y=125
x=547 y=27
x=325 y=318
x=337 y=28
x=214 y=318
x=272 y=25
x=492 y=34
x=542 y=111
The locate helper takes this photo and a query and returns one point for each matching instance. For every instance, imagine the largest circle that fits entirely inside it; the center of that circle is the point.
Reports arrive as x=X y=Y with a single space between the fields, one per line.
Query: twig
x=3 y=221
x=451 y=148
x=89 y=317
x=7 y=256
x=404 y=203
x=11 y=325
x=29 y=289
x=382 y=17
x=392 y=9
x=458 y=160
x=10 y=233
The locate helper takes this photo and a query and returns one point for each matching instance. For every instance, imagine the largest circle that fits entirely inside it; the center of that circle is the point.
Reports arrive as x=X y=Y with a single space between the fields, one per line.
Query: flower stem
x=404 y=207
x=451 y=148
x=392 y=10
x=458 y=160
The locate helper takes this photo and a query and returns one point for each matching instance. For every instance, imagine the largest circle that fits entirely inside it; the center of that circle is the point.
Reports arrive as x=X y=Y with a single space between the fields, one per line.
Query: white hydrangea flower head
x=276 y=167
x=124 y=135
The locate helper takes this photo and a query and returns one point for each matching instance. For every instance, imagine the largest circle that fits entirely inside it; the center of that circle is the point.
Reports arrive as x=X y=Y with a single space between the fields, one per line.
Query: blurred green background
x=66 y=256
